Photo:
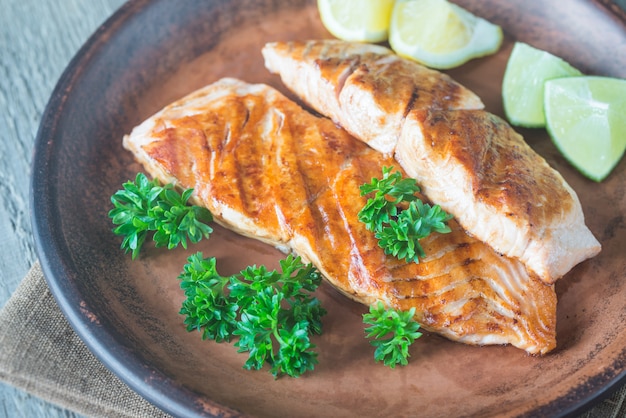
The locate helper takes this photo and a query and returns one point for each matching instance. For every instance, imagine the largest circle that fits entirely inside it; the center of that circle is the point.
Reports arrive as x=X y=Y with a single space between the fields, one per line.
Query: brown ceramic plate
x=152 y=52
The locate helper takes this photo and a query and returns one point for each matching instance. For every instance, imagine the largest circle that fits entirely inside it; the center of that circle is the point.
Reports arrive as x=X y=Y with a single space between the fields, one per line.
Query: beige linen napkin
x=40 y=353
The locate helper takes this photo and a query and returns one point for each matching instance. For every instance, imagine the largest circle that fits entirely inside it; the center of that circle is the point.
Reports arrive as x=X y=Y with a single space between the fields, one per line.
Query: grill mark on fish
x=245 y=119
x=311 y=172
x=467 y=160
x=414 y=96
x=244 y=172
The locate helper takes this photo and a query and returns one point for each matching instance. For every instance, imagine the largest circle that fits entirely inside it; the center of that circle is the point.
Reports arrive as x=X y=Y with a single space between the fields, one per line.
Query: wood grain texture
x=37 y=40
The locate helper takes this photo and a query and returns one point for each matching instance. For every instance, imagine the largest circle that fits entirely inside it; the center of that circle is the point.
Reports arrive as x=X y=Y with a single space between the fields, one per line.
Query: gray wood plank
x=37 y=40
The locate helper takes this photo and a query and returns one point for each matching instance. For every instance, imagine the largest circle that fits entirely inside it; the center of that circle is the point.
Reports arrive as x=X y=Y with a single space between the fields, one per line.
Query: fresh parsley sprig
x=401 y=237
x=389 y=192
x=399 y=230
x=272 y=313
x=208 y=307
x=144 y=207
x=393 y=331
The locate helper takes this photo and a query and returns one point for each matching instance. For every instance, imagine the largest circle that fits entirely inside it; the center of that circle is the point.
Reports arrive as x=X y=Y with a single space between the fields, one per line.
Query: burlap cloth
x=41 y=354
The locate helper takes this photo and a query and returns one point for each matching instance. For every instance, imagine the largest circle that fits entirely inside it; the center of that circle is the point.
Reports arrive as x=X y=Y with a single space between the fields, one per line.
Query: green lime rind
x=585 y=117
x=526 y=72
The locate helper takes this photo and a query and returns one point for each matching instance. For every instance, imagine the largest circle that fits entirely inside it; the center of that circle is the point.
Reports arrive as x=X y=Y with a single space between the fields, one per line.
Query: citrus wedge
x=440 y=34
x=585 y=118
x=356 y=20
x=526 y=72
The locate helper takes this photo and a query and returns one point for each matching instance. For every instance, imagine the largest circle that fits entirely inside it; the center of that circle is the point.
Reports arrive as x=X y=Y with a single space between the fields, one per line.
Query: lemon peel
x=356 y=20
x=440 y=34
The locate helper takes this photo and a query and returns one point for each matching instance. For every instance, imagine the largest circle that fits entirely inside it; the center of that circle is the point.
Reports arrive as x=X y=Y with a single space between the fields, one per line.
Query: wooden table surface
x=37 y=40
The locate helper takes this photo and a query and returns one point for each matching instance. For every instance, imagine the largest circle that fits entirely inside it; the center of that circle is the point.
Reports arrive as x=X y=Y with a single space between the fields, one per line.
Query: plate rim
x=51 y=258
x=56 y=269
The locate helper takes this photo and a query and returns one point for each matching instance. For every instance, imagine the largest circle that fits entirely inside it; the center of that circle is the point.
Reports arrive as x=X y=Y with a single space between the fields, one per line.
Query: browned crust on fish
x=467 y=160
x=380 y=87
x=270 y=170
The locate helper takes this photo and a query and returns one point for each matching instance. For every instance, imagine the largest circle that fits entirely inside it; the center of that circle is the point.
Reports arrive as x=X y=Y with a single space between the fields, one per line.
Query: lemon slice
x=585 y=118
x=356 y=20
x=440 y=34
x=526 y=72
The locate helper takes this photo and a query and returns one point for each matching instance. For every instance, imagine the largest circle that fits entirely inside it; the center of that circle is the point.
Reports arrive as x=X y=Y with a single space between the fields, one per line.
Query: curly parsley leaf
x=272 y=313
x=393 y=331
x=388 y=193
x=208 y=307
x=145 y=207
x=399 y=230
x=401 y=238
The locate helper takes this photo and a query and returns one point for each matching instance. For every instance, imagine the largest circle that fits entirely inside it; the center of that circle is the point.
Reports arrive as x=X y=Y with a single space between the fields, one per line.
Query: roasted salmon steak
x=467 y=160
x=270 y=170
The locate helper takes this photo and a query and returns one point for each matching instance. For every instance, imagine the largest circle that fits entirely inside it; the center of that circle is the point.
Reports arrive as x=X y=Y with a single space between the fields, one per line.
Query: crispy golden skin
x=270 y=170
x=467 y=160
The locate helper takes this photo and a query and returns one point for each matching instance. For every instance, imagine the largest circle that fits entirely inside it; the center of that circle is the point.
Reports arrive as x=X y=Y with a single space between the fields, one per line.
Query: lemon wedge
x=440 y=34
x=526 y=72
x=356 y=20
x=585 y=118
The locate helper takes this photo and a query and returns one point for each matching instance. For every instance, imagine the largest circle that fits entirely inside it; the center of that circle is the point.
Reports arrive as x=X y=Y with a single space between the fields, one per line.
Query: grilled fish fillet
x=467 y=160
x=269 y=170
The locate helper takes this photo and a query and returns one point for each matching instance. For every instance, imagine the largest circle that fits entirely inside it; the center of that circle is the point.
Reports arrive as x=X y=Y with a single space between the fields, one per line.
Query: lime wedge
x=356 y=20
x=440 y=34
x=526 y=72
x=586 y=118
